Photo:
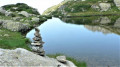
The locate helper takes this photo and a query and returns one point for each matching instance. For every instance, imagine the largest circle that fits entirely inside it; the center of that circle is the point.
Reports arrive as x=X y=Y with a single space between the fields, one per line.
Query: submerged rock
x=22 y=57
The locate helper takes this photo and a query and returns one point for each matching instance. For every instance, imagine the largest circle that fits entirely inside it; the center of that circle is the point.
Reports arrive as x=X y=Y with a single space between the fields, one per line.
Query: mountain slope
x=86 y=8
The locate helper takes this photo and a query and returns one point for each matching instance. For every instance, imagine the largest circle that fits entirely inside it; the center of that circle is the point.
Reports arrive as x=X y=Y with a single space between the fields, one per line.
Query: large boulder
x=105 y=6
x=24 y=13
x=117 y=2
x=22 y=57
x=15 y=26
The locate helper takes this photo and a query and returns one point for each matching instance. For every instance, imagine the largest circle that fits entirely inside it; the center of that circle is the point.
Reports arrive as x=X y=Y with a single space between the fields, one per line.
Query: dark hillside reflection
x=102 y=24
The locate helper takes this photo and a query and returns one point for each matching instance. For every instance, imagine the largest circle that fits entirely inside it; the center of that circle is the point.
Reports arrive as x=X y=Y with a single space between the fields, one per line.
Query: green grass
x=14 y=40
x=82 y=14
x=77 y=63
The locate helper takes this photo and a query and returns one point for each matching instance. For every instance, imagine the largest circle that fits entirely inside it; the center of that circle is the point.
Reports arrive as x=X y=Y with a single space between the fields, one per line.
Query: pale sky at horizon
x=41 y=5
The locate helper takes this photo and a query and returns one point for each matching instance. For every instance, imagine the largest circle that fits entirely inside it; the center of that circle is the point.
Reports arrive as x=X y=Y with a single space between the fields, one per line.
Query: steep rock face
x=21 y=57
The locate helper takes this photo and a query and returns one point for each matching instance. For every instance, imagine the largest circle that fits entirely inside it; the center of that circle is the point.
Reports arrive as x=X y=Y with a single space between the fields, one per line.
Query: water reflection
x=83 y=38
x=106 y=25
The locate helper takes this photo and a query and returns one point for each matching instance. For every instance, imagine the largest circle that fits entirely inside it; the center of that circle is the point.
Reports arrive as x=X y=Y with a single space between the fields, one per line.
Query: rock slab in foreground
x=22 y=57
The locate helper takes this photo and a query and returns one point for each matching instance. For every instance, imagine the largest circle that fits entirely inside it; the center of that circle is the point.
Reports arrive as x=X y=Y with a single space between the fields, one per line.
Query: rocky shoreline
x=22 y=57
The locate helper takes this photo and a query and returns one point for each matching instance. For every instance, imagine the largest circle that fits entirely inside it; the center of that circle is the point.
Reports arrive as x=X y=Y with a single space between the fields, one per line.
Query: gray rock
x=1 y=53
x=98 y=28
x=24 y=13
x=37 y=38
x=35 y=19
x=6 y=35
x=28 y=21
x=37 y=44
x=105 y=20
x=117 y=23
x=95 y=7
x=17 y=18
x=2 y=10
x=8 y=13
x=117 y=2
x=15 y=26
x=22 y=57
x=1 y=22
x=105 y=6
x=14 y=8
x=61 y=59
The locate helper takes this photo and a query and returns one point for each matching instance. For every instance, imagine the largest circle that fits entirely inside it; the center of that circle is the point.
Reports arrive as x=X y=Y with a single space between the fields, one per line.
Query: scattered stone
x=61 y=59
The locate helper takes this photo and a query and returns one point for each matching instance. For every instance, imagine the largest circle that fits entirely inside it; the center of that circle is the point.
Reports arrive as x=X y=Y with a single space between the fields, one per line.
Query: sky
x=41 y=5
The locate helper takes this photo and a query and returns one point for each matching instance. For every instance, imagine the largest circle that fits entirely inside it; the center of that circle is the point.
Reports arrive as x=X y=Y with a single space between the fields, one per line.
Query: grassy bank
x=12 y=40
x=77 y=63
x=89 y=14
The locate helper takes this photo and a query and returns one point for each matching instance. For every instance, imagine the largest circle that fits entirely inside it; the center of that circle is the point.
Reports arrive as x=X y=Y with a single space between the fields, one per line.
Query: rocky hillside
x=19 y=17
x=21 y=57
x=87 y=7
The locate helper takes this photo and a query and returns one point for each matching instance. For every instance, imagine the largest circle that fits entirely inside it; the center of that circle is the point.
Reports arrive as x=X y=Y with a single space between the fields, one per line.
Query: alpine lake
x=94 y=40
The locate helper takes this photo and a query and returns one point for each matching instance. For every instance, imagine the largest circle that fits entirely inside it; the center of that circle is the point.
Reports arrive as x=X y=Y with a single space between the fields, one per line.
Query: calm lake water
x=96 y=43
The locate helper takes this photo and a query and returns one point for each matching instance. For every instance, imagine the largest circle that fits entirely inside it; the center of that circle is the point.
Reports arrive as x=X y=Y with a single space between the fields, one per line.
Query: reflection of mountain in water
x=102 y=24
